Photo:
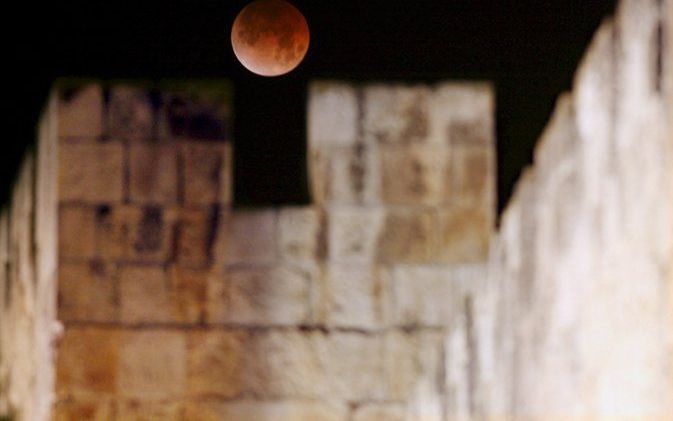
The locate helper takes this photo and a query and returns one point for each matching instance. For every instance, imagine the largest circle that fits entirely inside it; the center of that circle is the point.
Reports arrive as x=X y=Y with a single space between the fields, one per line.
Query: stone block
x=206 y=173
x=247 y=236
x=195 y=111
x=87 y=361
x=301 y=234
x=130 y=113
x=188 y=294
x=91 y=172
x=332 y=114
x=216 y=363
x=95 y=409
x=153 y=173
x=357 y=296
x=413 y=175
x=462 y=113
x=133 y=410
x=87 y=292
x=152 y=365
x=196 y=236
x=135 y=233
x=77 y=232
x=80 y=111
x=396 y=114
x=267 y=411
x=345 y=175
x=472 y=175
x=145 y=295
x=380 y=412
x=355 y=366
x=464 y=234
x=408 y=236
x=260 y=296
x=354 y=233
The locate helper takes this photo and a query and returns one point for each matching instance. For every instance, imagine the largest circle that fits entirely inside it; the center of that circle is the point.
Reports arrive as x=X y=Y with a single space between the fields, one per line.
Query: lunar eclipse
x=270 y=37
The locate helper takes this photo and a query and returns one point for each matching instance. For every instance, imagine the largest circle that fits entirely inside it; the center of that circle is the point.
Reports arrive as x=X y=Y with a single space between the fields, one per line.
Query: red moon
x=270 y=37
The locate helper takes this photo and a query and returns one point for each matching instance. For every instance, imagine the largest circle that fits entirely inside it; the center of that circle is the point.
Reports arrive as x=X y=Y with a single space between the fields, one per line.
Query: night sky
x=528 y=49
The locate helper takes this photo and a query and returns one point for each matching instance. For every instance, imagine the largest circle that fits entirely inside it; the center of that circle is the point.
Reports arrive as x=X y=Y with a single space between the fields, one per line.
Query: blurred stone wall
x=28 y=278
x=575 y=319
x=177 y=306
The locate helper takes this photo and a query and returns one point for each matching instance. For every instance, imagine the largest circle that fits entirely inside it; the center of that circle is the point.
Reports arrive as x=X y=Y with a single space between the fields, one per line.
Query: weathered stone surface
x=152 y=365
x=87 y=361
x=135 y=233
x=379 y=412
x=357 y=296
x=332 y=114
x=472 y=175
x=130 y=113
x=267 y=411
x=195 y=237
x=345 y=175
x=462 y=112
x=87 y=291
x=80 y=111
x=247 y=237
x=414 y=175
x=153 y=173
x=260 y=296
x=408 y=236
x=97 y=409
x=302 y=234
x=396 y=115
x=145 y=295
x=216 y=363
x=91 y=172
x=133 y=410
x=464 y=234
x=77 y=228
x=206 y=173
x=353 y=233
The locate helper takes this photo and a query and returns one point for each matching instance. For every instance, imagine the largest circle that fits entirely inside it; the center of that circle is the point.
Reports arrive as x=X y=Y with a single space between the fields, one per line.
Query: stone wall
x=575 y=319
x=28 y=270
x=178 y=306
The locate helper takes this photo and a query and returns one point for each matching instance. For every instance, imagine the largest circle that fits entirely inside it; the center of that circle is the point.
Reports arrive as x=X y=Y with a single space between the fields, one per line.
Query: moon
x=270 y=37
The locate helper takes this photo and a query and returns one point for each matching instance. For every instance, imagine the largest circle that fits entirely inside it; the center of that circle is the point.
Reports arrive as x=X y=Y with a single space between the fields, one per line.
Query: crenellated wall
x=178 y=306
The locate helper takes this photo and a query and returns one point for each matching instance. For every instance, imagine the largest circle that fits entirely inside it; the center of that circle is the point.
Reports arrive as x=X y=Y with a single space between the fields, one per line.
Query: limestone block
x=396 y=114
x=354 y=233
x=260 y=296
x=414 y=174
x=355 y=366
x=145 y=295
x=247 y=236
x=80 y=111
x=357 y=296
x=332 y=114
x=345 y=175
x=464 y=234
x=77 y=232
x=91 y=172
x=195 y=237
x=216 y=363
x=408 y=236
x=472 y=175
x=87 y=291
x=153 y=173
x=206 y=172
x=188 y=294
x=98 y=409
x=133 y=410
x=130 y=113
x=379 y=412
x=285 y=364
x=87 y=361
x=462 y=112
x=267 y=411
x=152 y=365
x=135 y=233
x=301 y=234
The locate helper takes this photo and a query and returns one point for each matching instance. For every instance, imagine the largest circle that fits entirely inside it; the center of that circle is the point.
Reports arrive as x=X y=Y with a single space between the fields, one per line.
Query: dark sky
x=528 y=48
